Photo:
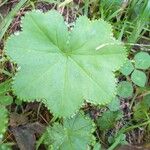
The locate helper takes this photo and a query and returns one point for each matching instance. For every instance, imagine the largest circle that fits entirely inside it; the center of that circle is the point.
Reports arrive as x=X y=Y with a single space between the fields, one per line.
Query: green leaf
x=113 y=4
x=4 y=121
x=125 y=89
x=108 y=119
x=63 y=68
x=139 y=78
x=52 y=1
x=74 y=134
x=5 y=147
x=4 y=87
x=114 y=105
x=18 y=101
x=142 y=60
x=141 y=108
x=118 y=139
x=5 y=100
x=127 y=68
x=97 y=146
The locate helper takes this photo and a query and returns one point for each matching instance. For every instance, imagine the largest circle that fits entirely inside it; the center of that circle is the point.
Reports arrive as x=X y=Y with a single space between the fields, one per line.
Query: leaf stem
x=136 y=126
x=133 y=99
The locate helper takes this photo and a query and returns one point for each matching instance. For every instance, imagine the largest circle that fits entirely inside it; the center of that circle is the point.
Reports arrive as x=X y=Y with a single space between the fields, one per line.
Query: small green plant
x=141 y=62
x=3 y=127
x=75 y=133
x=85 y=58
x=4 y=98
x=108 y=120
x=4 y=101
x=141 y=109
x=4 y=121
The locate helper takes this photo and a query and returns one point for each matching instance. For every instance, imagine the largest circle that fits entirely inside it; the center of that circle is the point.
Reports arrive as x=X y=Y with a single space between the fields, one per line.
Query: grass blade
x=8 y=19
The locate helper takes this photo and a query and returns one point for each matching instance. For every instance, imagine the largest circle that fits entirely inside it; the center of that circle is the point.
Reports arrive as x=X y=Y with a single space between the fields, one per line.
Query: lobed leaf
x=63 y=68
x=74 y=134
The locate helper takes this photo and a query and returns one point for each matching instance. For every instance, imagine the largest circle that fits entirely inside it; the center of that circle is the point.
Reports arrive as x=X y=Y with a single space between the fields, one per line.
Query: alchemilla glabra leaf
x=74 y=134
x=62 y=67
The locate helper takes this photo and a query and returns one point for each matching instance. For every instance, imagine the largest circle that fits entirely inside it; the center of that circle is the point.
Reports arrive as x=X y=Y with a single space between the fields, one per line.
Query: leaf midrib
x=87 y=74
x=44 y=33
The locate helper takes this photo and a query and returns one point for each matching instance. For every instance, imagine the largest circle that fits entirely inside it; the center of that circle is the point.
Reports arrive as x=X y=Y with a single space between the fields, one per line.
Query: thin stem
x=133 y=99
x=136 y=126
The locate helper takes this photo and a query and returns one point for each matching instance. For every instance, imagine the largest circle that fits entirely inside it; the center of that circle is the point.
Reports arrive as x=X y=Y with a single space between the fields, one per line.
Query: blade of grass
x=2 y=3
x=122 y=31
x=8 y=19
x=140 y=23
x=51 y=1
x=65 y=3
x=114 y=14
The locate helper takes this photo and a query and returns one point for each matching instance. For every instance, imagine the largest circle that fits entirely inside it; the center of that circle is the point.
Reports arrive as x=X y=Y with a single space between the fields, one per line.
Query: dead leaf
x=25 y=138
x=25 y=135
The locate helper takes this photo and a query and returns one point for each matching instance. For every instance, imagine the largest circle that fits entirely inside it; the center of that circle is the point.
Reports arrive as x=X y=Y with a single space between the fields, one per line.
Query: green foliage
x=141 y=19
x=118 y=139
x=63 y=65
x=52 y=1
x=139 y=78
x=125 y=89
x=108 y=120
x=6 y=100
x=4 y=88
x=142 y=108
x=113 y=3
x=127 y=68
x=114 y=105
x=3 y=122
x=83 y=57
x=109 y=7
x=142 y=60
x=74 y=134
x=4 y=25
x=4 y=147
x=97 y=146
